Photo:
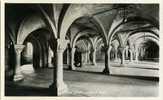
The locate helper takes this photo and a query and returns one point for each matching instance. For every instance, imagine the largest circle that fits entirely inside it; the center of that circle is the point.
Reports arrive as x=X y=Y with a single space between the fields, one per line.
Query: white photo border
x=2 y=50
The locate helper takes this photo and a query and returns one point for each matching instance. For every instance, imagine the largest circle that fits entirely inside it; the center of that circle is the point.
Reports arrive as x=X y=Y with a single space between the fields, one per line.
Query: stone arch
x=119 y=40
x=81 y=48
x=79 y=35
x=68 y=38
x=48 y=21
x=130 y=19
x=36 y=50
x=97 y=41
x=148 y=37
x=89 y=29
x=147 y=31
x=112 y=30
x=139 y=42
x=140 y=34
x=84 y=45
x=28 y=25
x=104 y=36
x=43 y=41
x=137 y=36
x=69 y=19
x=87 y=39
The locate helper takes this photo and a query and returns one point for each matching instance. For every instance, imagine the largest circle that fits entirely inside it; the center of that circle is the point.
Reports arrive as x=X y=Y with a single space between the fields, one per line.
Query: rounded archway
x=41 y=40
x=151 y=52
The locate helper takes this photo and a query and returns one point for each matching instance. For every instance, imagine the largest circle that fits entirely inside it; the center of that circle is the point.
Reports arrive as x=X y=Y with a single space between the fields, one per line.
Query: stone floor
x=141 y=68
x=88 y=83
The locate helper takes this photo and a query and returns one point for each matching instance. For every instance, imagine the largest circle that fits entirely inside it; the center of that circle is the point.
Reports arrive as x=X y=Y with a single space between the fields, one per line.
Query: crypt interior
x=82 y=50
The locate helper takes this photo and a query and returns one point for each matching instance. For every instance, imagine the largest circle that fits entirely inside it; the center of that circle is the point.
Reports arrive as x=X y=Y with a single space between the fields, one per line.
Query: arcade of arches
x=76 y=38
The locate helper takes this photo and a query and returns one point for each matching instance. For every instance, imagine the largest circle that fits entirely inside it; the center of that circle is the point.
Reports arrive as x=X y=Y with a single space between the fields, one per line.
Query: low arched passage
x=91 y=23
x=36 y=51
x=152 y=51
x=79 y=35
x=144 y=35
x=41 y=40
x=148 y=48
x=129 y=20
x=81 y=48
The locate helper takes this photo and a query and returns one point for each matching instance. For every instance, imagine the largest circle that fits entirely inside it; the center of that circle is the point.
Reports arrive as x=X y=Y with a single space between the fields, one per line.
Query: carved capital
x=73 y=49
x=93 y=50
x=108 y=48
x=61 y=45
x=19 y=48
x=122 y=49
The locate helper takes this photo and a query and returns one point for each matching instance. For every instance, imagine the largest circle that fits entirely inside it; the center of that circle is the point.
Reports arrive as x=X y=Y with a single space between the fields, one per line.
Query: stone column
x=136 y=54
x=86 y=58
x=107 y=60
x=126 y=53
x=116 y=55
x=72 y=53
x=68 y=57
x=88 y=53
x=131 y=55
x=122 y=49
x=50 y=57
x=59 y=86
x=18 y=74
x=94 y=57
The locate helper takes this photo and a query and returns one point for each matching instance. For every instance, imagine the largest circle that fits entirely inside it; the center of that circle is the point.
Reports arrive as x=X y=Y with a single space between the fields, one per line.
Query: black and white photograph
x=81 y=49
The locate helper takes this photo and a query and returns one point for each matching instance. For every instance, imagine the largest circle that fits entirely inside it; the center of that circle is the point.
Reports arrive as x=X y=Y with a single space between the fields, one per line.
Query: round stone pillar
x=126 y=53
x=122 y=49
x=136 y=54
x=58 y=85
x=68 y=56
x=18 y=75
x=116 y=55
x=50 y=57
x=94 y=57
x=107 y=60
x=88 y=56
x=72 y=53
x=131 y=55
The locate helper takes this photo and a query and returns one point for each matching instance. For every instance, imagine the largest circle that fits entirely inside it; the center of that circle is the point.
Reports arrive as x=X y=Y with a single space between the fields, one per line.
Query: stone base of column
x=18 y=77
x=50 y=65
x=70 y=67
x=106 y=71
x=59 y=89
x=83 y=63
x=136 y=61
x=131 y=61
x=115 y=60
x=94 y=64
x=122 y=65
